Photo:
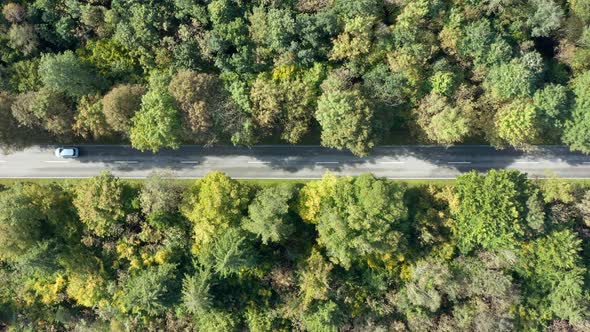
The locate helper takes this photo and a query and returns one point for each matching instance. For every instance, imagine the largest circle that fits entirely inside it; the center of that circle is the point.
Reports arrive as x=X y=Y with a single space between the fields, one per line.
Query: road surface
x=293 y=162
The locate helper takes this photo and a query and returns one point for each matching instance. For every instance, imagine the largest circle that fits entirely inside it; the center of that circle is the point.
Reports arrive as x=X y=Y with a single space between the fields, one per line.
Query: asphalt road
x=293 y=162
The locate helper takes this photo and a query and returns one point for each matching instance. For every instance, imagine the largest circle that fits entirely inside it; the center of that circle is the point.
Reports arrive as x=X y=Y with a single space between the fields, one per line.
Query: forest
x=349 y=74
x=487 y=252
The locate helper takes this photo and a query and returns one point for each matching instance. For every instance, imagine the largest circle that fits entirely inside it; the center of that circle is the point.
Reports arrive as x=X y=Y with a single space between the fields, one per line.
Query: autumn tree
x=285 y=101
x=100 y=204
x=203 y=102
x=120 y=105
x=160 y=194
x=46 y=108
x=23 y=37
x=315 y=278
x=90 y=120
x=518 y=124
x=213 y=204
x=14 y=12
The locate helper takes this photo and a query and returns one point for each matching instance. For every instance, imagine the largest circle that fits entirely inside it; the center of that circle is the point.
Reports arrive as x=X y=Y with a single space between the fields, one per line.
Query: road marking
x=56 y=161
x=327 y=162
x=259 y=162
x=126 y=161
x=459 y=162
x=189 y=162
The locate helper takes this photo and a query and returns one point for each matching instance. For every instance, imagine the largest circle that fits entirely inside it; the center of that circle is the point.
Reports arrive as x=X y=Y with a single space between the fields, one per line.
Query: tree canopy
x=488 y=252
x=346 y=75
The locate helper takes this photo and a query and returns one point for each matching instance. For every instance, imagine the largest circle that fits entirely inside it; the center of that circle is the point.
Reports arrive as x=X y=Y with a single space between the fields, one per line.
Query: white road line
x=56 y=161
x=327 y=162
x=189 y=162
x=259 y=162
x=459 y=162
x=126 y=161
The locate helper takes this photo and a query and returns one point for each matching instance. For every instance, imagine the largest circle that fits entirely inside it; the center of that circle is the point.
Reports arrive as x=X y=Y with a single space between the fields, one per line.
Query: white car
x=67 y=152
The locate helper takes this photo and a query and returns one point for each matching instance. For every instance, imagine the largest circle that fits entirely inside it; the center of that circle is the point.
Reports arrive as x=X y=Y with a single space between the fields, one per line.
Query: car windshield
x=67 y=152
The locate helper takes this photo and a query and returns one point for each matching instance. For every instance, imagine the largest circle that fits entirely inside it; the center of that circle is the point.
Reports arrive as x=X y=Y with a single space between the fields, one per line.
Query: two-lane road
x=293 y=162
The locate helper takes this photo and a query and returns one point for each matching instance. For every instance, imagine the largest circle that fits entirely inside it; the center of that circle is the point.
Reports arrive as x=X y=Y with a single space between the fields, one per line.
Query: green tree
x=558 y=190
x=441 y=121
x=21 y=222
x=110 y=59
x=269 y=215
x=360 y=221
x=323 y=317
x=510 y=80
x=580 y=8
x=547 y=18
x=577 y=130
x=345 y=117
x=482 y=297
x=24 y=76
x=148 y=292
x=228 y=254
x=195 y=292
x=535 y=217
x=140 y=26
x=100 y=204
x=216 y=320
x=157 y=123
x=66 y=73
x=480 y=43
x=273 y=30
x=553 y=103
x=491 y=209
x=553 y=272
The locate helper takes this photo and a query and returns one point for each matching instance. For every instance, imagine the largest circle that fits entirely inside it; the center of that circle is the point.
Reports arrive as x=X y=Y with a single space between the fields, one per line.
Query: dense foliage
x=492 y=252
x=343 y=73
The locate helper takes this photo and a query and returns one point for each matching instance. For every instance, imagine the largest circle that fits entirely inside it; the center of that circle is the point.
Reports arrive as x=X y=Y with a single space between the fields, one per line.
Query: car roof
x=67 y=152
